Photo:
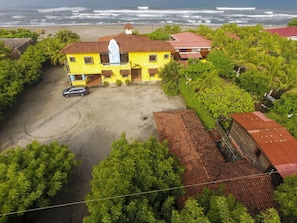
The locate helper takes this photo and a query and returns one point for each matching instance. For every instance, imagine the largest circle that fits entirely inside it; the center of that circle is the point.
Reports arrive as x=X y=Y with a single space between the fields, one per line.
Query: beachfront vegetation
x=30 y=176
x=15 y=75
x=18 y=33
x=292 y=22
x=124 y=184
x=164 y=33
x=248 y=57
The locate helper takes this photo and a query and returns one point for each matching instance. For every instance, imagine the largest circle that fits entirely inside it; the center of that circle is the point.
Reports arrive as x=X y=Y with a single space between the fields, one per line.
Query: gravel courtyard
x=88 y=125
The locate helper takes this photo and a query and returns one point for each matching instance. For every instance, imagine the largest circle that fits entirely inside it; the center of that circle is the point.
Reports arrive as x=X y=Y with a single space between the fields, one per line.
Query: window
x=104 y=57
x=258 y=152
x=78 y=77
x=166 y=56
x=72 y=59
x=88 y=60
x=124 y=57
x=153 y=58
x=153 y=71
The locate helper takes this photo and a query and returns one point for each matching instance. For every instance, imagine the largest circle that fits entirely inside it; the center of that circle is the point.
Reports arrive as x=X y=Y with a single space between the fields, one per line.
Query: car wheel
x=82 y=94
x=67 y=96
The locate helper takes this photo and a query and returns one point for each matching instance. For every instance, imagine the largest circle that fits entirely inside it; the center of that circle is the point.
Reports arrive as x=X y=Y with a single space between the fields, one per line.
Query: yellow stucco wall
x=136 y=60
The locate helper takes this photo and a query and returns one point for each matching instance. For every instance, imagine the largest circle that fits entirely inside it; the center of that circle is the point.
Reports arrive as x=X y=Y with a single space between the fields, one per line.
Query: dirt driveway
x=88 y=125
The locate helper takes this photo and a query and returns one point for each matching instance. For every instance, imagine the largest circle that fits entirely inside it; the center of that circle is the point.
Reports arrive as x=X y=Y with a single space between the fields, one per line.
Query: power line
x=135 y=194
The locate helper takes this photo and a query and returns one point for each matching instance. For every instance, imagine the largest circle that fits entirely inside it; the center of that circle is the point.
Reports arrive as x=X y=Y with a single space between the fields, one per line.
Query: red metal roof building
x=190 y=45
x=265 y=143
x=287 y=32
x=204 y=165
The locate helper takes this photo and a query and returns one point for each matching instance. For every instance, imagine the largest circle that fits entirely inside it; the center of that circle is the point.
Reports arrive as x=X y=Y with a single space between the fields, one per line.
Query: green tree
x=269 y=216
x=30 y=176
x=286 y=197
x=220 y=208
x=222 y=101
x=171 y=74
x=282 y=112
x=196 y=67
x=5 y=52
x=223 y=63
x=124 y=183
x=254 y=82
x=164 y=33
x=206 y=81
x=191 y=213
x=292 y=22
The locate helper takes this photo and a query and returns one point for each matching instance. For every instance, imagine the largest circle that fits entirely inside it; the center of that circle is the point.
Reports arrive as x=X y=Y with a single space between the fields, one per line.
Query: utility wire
x=135 y=194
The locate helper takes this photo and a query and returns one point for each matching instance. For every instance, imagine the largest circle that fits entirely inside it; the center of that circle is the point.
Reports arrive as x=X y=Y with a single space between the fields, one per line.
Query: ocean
x=18 y=13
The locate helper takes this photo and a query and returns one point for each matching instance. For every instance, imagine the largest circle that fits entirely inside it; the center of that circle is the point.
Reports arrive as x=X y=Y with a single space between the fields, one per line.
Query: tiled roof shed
x=197 y=153
x=18 y=45
x=279 y=146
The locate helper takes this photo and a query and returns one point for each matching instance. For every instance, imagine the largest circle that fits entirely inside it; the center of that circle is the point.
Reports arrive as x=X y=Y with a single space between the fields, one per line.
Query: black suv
x=75 y=91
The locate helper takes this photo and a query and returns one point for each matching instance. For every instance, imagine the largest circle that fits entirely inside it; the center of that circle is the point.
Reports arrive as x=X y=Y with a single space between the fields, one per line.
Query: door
x=136 y=75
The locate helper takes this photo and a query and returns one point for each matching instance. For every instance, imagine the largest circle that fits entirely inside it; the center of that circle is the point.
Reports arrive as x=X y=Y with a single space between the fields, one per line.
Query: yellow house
x=124 y=58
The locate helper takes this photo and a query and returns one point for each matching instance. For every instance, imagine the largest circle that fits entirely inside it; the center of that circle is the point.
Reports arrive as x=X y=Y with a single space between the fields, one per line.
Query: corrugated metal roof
x=189 y=40
x=279 y=146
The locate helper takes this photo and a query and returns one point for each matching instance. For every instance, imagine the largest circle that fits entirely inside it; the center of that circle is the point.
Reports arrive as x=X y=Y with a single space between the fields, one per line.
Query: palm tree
x=5 y=52
x=207 y=80
x=288 y=81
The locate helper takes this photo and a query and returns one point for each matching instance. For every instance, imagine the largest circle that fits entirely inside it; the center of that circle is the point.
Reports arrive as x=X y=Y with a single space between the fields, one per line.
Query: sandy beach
x=89 y=32
x=92 y=32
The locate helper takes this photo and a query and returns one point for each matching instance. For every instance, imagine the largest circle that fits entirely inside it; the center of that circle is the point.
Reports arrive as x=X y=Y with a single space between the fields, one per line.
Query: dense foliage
x=18 y=33
x=286 y=196
x=284 y=111
x=31 y=175
x=126 y=184
x=254 y=60
x=164 y=33
x=292 y=22
x=15 y=75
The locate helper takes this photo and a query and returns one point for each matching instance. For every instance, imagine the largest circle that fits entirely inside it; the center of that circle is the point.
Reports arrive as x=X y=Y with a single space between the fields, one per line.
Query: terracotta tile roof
x=279 y=146
x=126 y=42
x=255 y=191
x=284 y=31
x=189 y=40
x=232 y=35
x=197 y=153
x=137 y=43
x=86 y=47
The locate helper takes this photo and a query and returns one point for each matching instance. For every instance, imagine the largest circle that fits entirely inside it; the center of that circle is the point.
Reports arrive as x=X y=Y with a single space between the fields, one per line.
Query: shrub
x=118 y=82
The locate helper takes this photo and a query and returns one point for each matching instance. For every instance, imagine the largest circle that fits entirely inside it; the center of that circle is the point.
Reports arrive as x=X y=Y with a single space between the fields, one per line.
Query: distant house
x=122 y=57
x=18 y=45
x=205 y=166
x=189 y=45
x=287 y=32
x=264 y=143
